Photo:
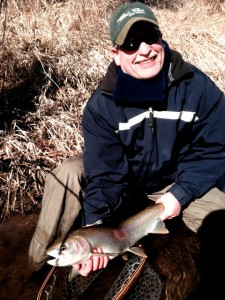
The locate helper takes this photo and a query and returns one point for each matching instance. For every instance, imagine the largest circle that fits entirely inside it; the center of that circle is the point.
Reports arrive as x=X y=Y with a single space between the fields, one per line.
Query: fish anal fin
x=138 y=251
x=158 y=227
x=125 y=256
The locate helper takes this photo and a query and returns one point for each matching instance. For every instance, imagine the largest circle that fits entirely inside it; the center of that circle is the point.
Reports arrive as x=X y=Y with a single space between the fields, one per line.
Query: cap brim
x=122 y=36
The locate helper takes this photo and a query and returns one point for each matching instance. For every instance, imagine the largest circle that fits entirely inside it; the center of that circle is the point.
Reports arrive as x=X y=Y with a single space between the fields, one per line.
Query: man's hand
x=93 y=264
x=171 y=205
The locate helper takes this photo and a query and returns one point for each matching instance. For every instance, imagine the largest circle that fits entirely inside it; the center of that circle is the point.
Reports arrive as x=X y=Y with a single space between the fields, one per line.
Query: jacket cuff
x=98 y=222
x=179 y=194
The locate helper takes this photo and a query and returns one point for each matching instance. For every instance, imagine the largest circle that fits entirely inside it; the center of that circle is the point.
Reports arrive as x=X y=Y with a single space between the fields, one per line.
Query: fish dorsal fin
x=138 y=251
x=158 y=227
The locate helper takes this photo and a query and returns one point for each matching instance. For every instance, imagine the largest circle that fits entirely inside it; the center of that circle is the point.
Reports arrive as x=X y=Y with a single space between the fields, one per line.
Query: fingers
x=105 y=261
x=77 y=267
x=99 y=262
x=93 y=264
x=86 y=268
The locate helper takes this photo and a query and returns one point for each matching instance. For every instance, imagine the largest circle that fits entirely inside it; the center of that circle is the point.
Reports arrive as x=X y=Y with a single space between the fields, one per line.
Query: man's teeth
x=147 y=61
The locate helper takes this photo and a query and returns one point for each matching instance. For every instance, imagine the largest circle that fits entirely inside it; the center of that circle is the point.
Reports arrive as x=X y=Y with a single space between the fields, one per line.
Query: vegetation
x=53 y=55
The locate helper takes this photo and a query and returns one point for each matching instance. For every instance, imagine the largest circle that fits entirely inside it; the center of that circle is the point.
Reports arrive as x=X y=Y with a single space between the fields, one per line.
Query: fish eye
x=63 y=247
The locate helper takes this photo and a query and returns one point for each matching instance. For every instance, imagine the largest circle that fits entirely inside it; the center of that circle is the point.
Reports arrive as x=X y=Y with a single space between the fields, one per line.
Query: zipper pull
x=151 y=118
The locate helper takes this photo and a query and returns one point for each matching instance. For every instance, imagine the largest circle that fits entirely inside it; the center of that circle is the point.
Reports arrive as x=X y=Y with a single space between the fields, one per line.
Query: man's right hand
x=92 y=264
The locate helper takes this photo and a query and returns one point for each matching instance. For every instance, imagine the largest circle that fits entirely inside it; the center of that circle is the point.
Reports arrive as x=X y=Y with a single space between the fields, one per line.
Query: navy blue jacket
x=122 y=151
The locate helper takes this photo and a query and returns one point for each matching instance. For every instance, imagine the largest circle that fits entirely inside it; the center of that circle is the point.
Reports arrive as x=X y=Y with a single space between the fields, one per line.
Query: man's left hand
x=172 y=206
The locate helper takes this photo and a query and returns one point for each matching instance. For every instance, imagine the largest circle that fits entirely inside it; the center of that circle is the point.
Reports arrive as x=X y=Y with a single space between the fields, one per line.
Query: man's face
x=142 y=54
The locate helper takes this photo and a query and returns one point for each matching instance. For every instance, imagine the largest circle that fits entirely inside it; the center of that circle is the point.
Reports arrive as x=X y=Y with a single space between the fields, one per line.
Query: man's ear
x=116 y=56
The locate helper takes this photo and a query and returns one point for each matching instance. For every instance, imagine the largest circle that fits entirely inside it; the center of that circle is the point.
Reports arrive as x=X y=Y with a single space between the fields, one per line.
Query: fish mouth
x=57 y=262
x=52 y=262
x=57 y=259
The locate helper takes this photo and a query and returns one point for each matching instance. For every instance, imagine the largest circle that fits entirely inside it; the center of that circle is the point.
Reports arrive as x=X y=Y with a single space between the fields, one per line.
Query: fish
x=78 y=246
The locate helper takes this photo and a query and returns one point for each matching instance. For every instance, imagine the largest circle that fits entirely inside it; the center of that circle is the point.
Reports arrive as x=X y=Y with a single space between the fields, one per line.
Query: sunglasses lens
x=133 y=43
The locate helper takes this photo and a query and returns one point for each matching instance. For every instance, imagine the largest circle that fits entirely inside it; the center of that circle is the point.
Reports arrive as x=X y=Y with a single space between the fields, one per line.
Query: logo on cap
x=132 y=12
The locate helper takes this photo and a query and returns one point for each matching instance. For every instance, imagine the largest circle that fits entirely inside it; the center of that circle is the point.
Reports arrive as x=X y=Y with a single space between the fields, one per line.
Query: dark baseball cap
x=125 y=16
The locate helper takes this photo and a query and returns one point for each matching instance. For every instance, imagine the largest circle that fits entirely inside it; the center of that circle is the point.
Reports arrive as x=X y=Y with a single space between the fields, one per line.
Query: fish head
x=71 y=251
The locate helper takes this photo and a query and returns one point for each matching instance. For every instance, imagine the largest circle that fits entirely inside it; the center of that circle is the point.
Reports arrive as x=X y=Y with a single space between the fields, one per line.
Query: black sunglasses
x=133 y=43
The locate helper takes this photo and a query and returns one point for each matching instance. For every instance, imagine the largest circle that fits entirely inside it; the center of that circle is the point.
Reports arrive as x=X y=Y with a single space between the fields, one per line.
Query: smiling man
x=135 y=57
x=153 y=129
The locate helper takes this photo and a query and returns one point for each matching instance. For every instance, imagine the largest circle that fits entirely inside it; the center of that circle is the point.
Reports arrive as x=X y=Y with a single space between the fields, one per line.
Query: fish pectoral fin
x=86 y=247
x=158 y=227
x=138 y=251
x=73 y=273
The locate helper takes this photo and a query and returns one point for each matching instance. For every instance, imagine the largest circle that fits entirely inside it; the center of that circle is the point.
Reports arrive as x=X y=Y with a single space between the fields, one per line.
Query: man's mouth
x=148 y=60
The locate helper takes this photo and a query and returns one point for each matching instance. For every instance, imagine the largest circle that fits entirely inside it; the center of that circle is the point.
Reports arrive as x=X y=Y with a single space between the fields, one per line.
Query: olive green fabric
x=197 y=210
x=60 y=208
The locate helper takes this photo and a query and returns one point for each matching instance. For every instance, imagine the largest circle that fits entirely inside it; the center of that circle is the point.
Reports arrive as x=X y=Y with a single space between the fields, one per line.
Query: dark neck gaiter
x=142 y=93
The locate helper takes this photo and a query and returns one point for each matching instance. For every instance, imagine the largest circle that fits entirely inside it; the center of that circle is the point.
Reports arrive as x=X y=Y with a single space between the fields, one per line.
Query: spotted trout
x=79 y=244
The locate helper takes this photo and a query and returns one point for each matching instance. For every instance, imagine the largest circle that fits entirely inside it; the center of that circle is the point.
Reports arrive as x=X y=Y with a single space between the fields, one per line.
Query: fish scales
x=114 y=241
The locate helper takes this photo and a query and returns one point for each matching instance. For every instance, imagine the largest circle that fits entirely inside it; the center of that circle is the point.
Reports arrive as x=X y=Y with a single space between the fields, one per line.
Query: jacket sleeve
x=104 y=161
x=203 y=162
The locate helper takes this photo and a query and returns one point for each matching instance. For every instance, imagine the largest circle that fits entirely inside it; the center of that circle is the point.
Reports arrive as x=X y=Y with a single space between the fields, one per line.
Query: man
x=154 y=128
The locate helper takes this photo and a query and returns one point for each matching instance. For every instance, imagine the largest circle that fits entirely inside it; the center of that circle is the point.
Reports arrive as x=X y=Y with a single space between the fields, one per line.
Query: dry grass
x=53 y=54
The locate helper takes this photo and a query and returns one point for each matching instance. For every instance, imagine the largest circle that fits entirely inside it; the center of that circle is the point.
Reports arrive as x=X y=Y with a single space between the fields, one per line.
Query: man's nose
x=144 y=48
